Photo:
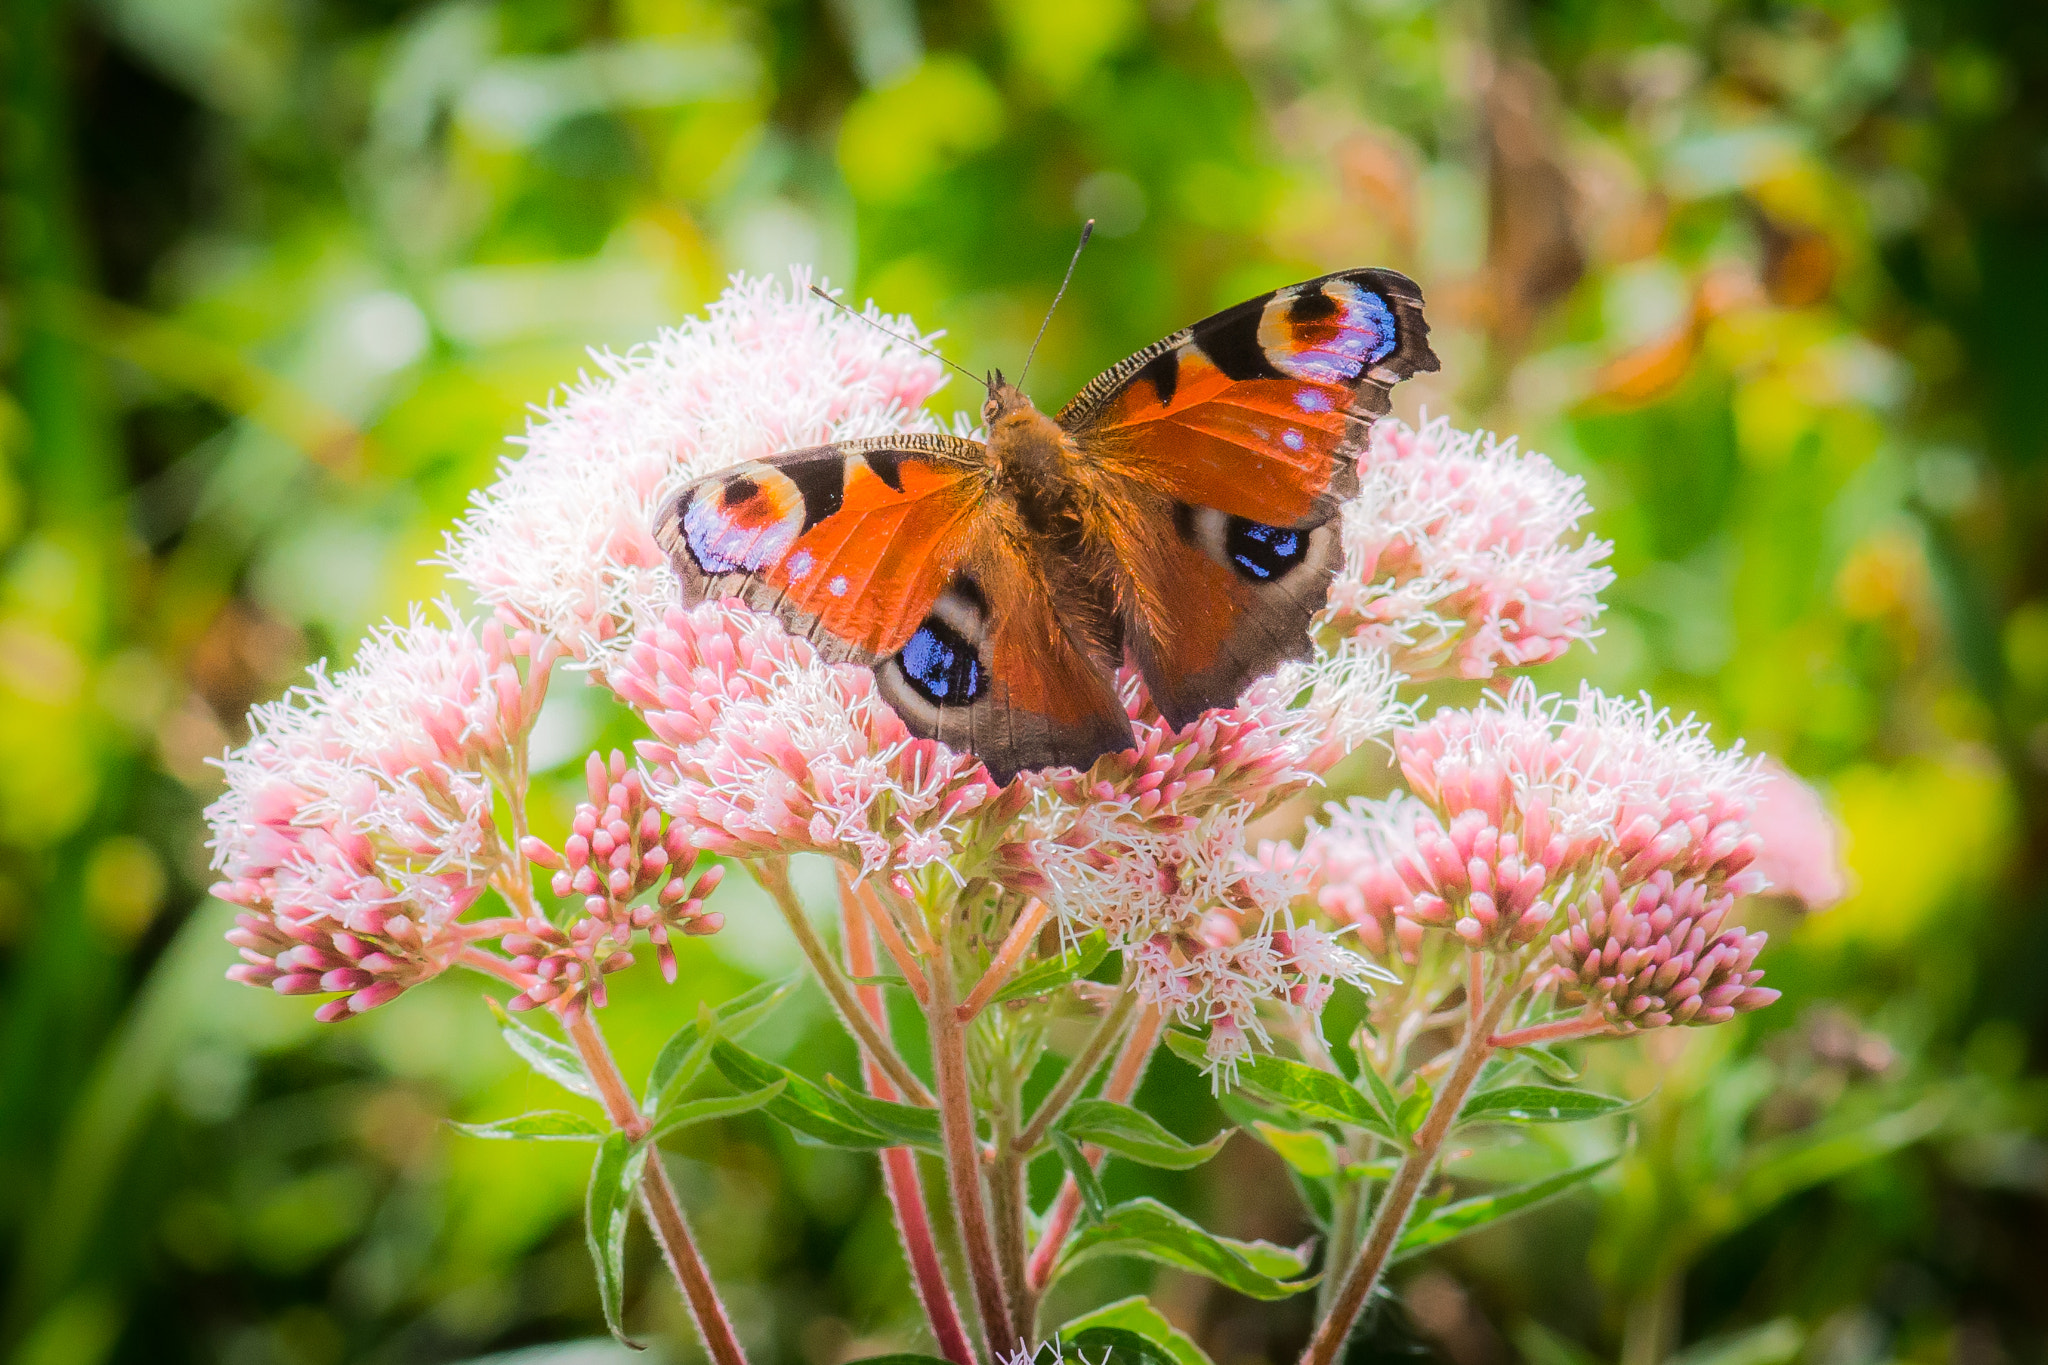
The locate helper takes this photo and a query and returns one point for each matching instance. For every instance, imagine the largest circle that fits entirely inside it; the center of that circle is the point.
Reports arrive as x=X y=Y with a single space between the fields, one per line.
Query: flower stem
x=773 y=874
x=1584 y=1026
x=1391 y=1217
x=1082 y=1068
x=963 y=1157
x=658 y=1196
x=899 y=1164
x=1121 y=1085
x=1029 y=922
x=885 y=927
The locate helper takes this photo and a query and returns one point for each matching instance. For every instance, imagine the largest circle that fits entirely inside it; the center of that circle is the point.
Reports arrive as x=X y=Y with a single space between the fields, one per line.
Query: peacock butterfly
x=1180 y=513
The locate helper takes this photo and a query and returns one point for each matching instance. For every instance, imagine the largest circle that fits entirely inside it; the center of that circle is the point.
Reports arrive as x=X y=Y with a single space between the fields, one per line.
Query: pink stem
x=1121 y=1085
x=1585 y=1026
x=493 y=965
x=658 y=1196
x=892 y=939
x=1005 y=964
x=899 y=1164
x=963 y=1158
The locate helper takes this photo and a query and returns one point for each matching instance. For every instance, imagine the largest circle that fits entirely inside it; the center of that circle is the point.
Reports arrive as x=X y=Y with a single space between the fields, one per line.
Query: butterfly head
x=1006 y=405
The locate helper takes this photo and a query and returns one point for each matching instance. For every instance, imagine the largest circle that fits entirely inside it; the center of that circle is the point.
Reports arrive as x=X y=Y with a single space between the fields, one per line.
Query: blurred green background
x=280 y=277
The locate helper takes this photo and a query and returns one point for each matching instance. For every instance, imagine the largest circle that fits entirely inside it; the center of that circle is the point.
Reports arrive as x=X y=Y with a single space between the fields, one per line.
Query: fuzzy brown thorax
x=1033 y=461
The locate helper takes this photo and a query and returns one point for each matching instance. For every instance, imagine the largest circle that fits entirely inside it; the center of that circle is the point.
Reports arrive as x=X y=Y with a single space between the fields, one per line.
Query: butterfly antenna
x=1087 y=231
x=863 y=317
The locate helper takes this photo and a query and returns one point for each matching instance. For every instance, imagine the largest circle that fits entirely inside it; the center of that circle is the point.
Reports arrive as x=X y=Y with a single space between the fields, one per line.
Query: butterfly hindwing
x=884 y=552
x=1235 y=442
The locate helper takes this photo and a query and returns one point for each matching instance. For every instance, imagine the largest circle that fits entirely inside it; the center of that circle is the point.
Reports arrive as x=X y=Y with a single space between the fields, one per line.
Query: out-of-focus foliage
x=281 y=277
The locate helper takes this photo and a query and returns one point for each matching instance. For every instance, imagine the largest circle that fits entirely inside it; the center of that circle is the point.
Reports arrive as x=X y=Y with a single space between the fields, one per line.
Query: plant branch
x=963 y=1158
x=773 y=874
x=476 y=959
x=1399 y=1201
x=658 y=1196
x=1082 y=1069
x=899 y=1164
x=1029 y=922
x=891 y=935
x=1584 y=1026
x=1121 y=1085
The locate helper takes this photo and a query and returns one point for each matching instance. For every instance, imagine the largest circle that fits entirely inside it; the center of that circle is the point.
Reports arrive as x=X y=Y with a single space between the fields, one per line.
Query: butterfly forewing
x=887 y=552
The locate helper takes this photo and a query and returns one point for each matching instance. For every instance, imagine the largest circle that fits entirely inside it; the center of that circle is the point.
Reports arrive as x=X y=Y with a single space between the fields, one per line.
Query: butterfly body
x=1179 y=514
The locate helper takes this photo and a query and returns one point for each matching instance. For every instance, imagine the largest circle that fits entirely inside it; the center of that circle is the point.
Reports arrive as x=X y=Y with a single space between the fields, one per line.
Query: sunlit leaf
x=1305 y=1149
x=555 y=1060
x=1129 y=1133
x=1136 y=1314
x=911 y=1125
x=678 y=1116
x=1415 y=1109
x=544 y=1125
x=1147 y=1228
x=1467 y=1215
x=1319 y=1096
x=802 y=1106
x=608 y=1211
x=1539 y=1104
x=1045 y=977
x=734 y=1018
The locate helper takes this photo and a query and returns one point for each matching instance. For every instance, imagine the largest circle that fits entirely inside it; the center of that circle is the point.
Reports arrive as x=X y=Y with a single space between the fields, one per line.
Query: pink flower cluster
x=1458 y=555
x=1631 y=826
x=616 y=851
x=761 y=748
x=356 y=826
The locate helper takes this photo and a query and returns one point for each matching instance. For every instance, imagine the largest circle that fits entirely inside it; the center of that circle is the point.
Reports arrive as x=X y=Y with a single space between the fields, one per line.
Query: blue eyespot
x=942 y=666
x=1261 y=552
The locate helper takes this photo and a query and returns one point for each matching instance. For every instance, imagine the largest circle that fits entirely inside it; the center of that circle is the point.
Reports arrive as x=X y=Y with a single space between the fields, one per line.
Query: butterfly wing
x=885 y=552
x=1234 y=442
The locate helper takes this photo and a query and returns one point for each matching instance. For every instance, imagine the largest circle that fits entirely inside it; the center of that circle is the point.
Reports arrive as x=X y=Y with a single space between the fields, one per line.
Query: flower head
x=356 y=826
x=1459 y=557
x=562 y=544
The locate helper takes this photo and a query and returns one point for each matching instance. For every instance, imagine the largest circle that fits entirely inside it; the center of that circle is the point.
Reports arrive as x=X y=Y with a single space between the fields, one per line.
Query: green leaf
x=682 y=1050
x=1136 y=1314
x=1319 y=1096
x=1455 y=1220
x=1147 y=1228
x=1538 y=1104
x=1415 y=1108
x=678 y=1116
x=1307 y=1150
x=1541 y=1346
x=1381 y=1094
x=1551 y=1062
x=542 y=1125
x=1043 y=978
x=1109 y=1346
x=801 y=1106
x=1317 y=1196
x=555 y=1060
x=1093 y=1204
x=911 y=1125
x=1129 y=1133
x=607 y=1211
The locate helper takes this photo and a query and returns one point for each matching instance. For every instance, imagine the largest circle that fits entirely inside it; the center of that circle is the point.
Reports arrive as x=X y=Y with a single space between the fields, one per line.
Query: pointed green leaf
x=1147 y=1228
x=1316 y=1196
x=1538 y=1104
x=1136 y=1314
x=1046 y=977
x=1320 y=1096
x=1415 y=1108
x=678 y=1116
x=1129 y=1133
x=543 y=1125
x=802 y=1105
x=911 y=1125
x=1106 y=1346
x=1455 y=1220
x=1093 y=1204
x=1307 y=1150
x=607 y=1211
x=1380 y=1093
x=682 y=1050
x=555 y=1060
